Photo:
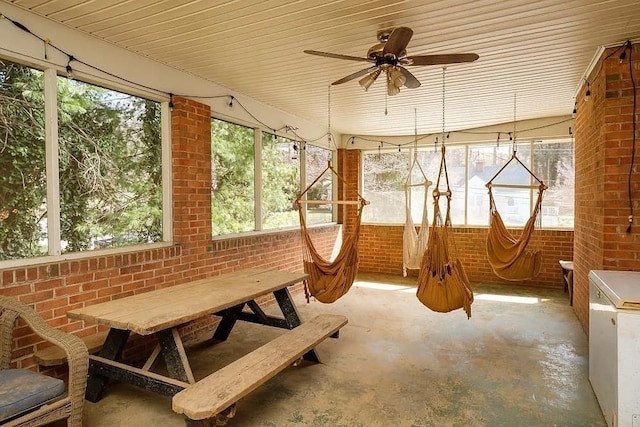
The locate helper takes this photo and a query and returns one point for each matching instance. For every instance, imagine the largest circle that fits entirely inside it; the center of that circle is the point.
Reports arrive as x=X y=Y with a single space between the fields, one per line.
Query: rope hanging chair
x=414 y=244
x=508 y=255
x=329 y=280
x=443 y=285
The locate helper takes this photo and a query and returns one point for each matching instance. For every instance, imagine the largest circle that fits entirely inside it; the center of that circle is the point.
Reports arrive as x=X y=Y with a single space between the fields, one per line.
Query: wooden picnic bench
x=212 y=400
x=162 y=311
x=54 y=355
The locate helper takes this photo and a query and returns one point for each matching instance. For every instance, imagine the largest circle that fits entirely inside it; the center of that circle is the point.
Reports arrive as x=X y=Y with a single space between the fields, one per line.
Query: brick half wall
x=380 y=251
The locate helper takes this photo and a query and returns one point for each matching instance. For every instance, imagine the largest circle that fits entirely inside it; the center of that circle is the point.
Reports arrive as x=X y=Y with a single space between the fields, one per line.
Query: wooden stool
x=567 y=277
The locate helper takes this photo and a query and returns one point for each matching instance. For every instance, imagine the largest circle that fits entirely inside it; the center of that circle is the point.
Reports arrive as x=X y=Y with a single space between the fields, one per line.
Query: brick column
x=603 y=131
x=191 y=161
x=349 y=168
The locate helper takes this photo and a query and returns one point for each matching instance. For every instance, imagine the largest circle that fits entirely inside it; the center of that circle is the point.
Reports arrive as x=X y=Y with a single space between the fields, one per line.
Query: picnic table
x=163 y=311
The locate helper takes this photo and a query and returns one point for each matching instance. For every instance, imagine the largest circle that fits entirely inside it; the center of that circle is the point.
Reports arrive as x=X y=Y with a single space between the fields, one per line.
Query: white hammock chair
x=414 y=243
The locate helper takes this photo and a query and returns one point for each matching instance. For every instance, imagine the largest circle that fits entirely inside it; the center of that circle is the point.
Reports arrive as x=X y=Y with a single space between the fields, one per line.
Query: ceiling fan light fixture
x=368 y=80
x=396 y=76
x=392 y=89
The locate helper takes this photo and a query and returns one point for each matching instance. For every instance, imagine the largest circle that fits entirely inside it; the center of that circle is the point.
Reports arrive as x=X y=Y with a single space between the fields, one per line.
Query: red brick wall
x=349 y=168
x=381 y=251
x=603 y=132
x=56 y=287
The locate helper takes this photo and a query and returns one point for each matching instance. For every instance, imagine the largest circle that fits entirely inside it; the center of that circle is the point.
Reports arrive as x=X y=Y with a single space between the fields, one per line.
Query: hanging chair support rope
x=508 y=256
x=443 y=285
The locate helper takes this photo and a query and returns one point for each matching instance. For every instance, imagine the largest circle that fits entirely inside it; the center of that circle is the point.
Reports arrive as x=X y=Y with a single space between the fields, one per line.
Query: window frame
x=54 y=249
x=528 y=144
x=259 y=134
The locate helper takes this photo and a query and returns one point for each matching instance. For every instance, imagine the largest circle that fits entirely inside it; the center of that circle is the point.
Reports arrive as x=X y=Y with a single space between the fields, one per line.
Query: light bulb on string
x=587 y=94
x=69 y=69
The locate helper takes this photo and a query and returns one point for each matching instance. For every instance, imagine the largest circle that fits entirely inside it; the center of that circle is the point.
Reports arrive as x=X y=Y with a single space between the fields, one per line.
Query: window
x=110 y=160
x=554 y=165
x=108 y=188
x=236 y=205
x=470 y=167
x=316 y=160
x=280 y=181
x=384 y=176
x=23 y=187
x=232 y=177
x=514 y=204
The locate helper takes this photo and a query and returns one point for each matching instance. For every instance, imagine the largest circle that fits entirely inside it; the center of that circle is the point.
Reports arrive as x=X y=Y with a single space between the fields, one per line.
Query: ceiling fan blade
x=411 y=81
x=442 y=59
x=355 y=75
x=337 y=56
x=398 y=41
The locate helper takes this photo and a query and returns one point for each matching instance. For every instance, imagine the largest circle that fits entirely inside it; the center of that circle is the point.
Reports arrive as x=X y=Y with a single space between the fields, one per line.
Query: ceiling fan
x=390 y=57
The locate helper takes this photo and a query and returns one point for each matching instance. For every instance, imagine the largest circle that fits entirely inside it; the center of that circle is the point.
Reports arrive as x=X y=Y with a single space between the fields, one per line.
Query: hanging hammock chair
x=414 y=244
x=443 y=285
x=329 y=280
x=508 y=255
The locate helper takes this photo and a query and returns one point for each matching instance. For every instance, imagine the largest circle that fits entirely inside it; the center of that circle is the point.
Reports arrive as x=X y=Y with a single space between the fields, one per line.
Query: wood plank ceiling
x=536 y=51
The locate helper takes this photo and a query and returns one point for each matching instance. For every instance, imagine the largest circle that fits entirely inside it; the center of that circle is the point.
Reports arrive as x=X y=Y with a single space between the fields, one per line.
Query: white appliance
x=614 y=345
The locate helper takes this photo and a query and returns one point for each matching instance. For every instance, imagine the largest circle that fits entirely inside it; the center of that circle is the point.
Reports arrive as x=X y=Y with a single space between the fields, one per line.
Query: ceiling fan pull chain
x=386 y=97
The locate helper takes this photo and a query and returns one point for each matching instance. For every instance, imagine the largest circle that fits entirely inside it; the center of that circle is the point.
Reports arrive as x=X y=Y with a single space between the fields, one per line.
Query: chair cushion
x=22 y=390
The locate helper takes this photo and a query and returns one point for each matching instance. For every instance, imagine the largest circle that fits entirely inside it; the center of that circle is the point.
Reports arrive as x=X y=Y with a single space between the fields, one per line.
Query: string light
x=46 y=43
x=587 y=94
x=575 y=110
x=70 y=73
x=68 y=67
x=623 y=55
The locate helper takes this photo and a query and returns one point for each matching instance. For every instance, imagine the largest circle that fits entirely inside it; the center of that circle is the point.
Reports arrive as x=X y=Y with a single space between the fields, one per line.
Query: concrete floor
x=520 y=361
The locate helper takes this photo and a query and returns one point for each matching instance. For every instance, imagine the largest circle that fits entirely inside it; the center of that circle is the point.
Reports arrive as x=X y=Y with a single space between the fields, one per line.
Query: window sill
x=295 y=228
x=51 y=259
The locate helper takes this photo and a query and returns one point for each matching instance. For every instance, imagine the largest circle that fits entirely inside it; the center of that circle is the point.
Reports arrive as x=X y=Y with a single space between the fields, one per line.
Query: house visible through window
x=470 y=167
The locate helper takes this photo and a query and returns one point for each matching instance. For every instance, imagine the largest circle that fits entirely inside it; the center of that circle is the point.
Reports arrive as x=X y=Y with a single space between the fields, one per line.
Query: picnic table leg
x=175 y=356
x=228 y=321
x=112 y=349
x=292 y=317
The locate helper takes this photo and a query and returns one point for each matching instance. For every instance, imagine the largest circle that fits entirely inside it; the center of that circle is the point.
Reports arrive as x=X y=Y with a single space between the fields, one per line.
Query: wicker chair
x=63 y=406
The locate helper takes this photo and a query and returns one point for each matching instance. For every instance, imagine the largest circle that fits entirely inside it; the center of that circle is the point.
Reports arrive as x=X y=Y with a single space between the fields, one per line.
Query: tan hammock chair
x=443 y=285
x=414 y=244
x=508 y=256
x=329 y=280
